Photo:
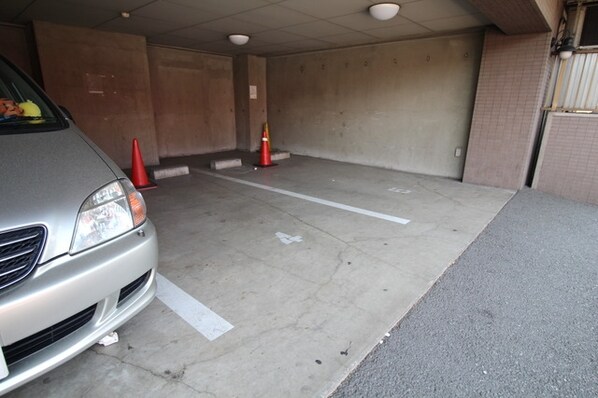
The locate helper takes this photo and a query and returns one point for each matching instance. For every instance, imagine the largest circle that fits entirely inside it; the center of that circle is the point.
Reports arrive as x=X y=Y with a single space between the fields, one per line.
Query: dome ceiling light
x=384 y=11
x=238 y=39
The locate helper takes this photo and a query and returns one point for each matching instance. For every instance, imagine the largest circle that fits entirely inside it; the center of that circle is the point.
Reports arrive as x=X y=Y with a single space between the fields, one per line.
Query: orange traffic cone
x=138 y=173
x=265 y=159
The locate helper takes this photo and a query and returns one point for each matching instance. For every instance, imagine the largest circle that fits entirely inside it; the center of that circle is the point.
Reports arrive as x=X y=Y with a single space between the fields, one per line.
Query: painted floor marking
x=399 y=190
x=288 y=239
x=310 y=198
x=204 y=320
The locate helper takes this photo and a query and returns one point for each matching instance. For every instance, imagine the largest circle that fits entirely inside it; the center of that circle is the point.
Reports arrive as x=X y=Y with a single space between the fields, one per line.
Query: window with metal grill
x=589 y=34
x=19 y=253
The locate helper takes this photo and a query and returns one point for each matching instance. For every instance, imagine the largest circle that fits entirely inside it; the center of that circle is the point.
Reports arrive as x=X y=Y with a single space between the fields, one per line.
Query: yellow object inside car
x=30 y=108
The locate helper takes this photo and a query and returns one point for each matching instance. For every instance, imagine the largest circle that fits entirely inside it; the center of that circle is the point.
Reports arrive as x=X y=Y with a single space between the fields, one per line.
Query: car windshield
x=22 y=108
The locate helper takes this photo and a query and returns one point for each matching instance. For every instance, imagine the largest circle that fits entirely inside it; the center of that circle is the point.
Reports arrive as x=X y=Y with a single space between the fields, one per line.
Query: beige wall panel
x=568 y=161
x=193 y=101
x=103 y=79
x=14 y=45
x=404 y=106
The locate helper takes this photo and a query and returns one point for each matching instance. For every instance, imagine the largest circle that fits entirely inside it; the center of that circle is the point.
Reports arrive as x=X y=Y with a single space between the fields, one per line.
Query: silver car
x=78 y=256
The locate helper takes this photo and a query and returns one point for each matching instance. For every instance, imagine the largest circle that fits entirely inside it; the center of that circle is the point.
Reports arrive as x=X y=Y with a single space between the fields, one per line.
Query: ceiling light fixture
x=238 y=39
x=125 y=14
x=384 y=11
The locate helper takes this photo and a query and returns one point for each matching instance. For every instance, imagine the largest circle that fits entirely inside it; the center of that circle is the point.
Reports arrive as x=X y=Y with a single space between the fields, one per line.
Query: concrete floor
x=514 y=317
x=306 y=307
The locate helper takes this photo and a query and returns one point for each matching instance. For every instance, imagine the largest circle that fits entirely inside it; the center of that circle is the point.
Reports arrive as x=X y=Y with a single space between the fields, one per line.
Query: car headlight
x=109 y=212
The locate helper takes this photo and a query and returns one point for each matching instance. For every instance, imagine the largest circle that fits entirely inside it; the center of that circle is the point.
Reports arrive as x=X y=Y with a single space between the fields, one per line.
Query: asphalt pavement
x=515 y=316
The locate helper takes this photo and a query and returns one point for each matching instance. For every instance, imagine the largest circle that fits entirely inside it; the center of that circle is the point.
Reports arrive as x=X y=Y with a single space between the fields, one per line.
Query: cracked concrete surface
x=304 y=314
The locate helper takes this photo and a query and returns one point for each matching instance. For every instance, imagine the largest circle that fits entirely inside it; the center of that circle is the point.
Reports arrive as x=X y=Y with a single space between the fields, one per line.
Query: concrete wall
x=517 y=17
x=568 y=161
x=103 y=79
x=193 y=101
x=552 y=10
x=15 y=45
x=511 y=88
x=251 y=111
x=241 y=78
x=403 y=106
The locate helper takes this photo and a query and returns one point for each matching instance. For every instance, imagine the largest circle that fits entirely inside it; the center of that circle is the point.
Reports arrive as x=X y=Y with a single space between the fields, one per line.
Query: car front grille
x=32 y=344
x=19 y=252
x=132 y=287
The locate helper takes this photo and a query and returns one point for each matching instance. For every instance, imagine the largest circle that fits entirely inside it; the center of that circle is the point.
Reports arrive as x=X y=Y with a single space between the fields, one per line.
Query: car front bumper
x=67 y=285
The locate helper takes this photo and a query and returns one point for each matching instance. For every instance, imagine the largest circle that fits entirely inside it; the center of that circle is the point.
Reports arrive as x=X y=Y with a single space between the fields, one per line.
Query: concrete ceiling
x=275 y=26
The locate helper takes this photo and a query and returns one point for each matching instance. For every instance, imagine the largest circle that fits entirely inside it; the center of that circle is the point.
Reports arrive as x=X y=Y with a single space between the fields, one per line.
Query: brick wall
x=568 y=161
x=510 y=94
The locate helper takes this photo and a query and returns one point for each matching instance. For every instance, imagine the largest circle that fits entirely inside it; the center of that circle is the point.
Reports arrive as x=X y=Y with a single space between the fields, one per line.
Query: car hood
x=45 y=177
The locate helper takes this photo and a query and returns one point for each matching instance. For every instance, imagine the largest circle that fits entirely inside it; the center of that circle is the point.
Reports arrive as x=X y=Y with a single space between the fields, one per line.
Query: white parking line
x=310 y=198
x=204 y=320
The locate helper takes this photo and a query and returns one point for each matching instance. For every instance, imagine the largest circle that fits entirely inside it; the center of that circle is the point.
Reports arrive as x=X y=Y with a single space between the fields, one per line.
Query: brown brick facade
x=510 y=94
x=568 y=162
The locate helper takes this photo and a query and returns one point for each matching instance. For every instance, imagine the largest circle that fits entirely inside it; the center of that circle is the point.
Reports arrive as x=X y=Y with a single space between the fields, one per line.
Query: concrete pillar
x=250 y=100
